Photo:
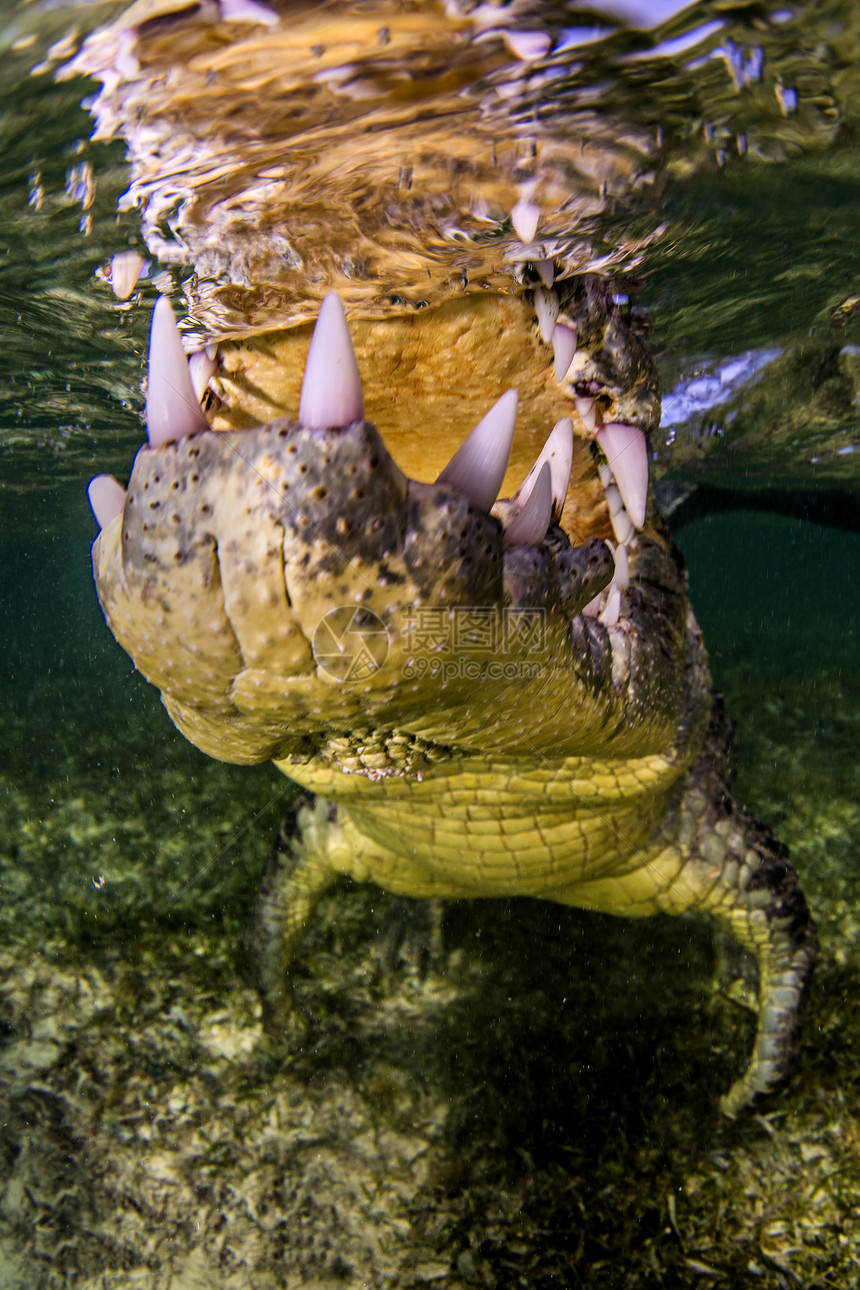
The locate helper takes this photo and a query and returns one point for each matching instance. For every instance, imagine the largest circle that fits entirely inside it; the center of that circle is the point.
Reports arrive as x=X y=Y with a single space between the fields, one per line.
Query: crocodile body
x=479 y=697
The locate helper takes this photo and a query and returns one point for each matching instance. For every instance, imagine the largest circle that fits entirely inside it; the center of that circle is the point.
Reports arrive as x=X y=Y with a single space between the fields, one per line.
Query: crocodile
x=474 y=652
x=474 y=703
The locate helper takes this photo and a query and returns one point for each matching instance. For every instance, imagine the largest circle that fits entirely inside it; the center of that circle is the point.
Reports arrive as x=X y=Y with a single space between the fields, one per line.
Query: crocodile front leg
x=318 y=843
x=771 y=919
x=298 y=873
x=744 y=879
x=713 y=857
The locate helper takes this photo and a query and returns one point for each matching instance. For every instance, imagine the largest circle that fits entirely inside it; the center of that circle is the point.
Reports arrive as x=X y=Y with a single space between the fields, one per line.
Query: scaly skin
x=587 y=770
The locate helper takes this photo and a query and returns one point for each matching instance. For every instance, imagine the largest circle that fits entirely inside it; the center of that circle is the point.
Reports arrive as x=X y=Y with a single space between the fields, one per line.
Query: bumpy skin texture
x=587 y=769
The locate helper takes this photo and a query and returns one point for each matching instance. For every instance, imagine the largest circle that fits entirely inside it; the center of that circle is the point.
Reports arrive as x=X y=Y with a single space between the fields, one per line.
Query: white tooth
x=558 y=452
x=614 y=500
x=331 y=389
x=531 y=524
x=611 y=610
x=592 y=609
x=546 y=308
x=627 y=454
x=106 y=497
x=546 y=271
x=248 y=11
x=585 y=411
x=125 y=57
x=564 y=348
x=511 y=88
x=524 y=217
x=622 y=526
x=621 y=578
x=479 y=464
x=527 y=45
x=125 y=269
x=110 y=79
x=172 y=408
x=200 y=367
x=606 y=475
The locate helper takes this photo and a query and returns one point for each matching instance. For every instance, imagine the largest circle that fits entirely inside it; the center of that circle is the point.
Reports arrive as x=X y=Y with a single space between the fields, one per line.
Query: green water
x=537 y=1108
x=560 y=1106
x=780 y=610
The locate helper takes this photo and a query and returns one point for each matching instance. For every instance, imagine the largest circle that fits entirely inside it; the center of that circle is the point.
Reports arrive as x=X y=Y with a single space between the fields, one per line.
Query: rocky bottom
x=534 y=1106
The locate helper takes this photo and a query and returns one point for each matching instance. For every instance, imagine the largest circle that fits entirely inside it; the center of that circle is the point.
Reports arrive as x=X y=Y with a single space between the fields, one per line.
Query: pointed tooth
x=564 y=348
x=248 y=11
x=125 y=269
x=530 y=526
x=560 y=457
x=621 y=577
x=627 y=454
x=622 y=526
x=592 y=609
x=106 y=497
x=125 y=56
x=546 y=271
x=331 y=389
x=611 y=611
x=524 y=217
x=172 y=408
x=558 y=452
x=479 y=464
x=614 y=500
x=546 y=308
x=528 y=46
x=510 y=88
x=200 y=367
x=585 y=411
x=110 y=79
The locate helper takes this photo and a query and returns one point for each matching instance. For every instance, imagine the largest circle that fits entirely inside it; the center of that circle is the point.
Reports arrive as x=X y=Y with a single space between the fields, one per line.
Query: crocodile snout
x=227 y=552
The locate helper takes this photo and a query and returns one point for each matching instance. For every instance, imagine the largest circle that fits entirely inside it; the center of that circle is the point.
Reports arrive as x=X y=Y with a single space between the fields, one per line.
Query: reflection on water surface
x=713 y=154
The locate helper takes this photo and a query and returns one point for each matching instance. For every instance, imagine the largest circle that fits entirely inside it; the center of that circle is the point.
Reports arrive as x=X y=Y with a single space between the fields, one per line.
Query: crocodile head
x=478 y=251
x=294 y=594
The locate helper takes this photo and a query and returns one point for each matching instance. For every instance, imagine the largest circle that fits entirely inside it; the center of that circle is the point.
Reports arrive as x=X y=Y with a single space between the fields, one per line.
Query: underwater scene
x=429 y=449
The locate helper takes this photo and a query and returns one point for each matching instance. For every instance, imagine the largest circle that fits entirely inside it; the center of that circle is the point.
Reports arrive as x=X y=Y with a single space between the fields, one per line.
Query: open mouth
x=218 y=565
